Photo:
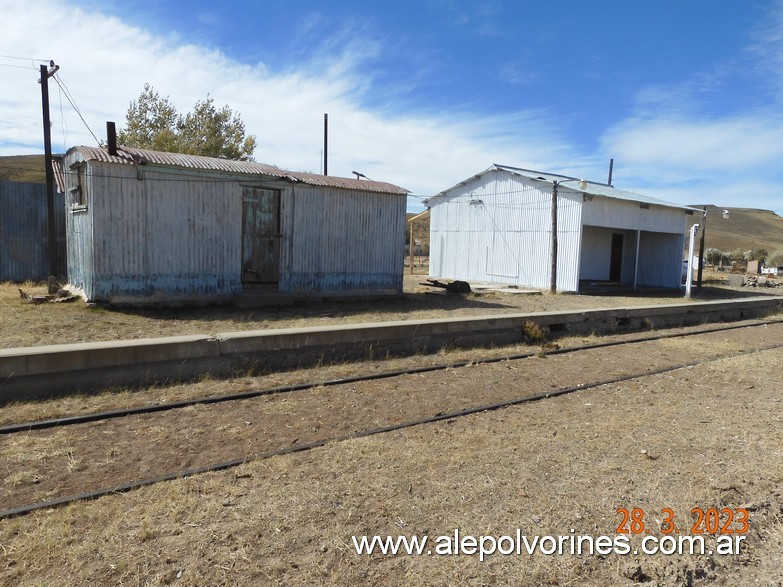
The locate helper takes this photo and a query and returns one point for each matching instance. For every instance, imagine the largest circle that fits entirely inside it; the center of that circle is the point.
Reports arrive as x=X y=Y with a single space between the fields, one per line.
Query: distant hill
x=746 y=228
x=421 y=231
x=27 y=168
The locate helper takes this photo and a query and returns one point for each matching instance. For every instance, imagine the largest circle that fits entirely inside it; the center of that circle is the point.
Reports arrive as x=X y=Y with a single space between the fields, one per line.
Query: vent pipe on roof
x=326 y=143
x=611 y=166
x=111 y=138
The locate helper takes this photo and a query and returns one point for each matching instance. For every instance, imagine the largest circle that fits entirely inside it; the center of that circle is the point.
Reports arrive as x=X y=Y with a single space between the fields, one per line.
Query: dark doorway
x=260 y=235
x=616 y=259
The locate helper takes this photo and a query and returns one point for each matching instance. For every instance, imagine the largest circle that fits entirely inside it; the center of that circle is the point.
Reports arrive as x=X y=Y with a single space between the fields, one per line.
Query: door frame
x=270 y=239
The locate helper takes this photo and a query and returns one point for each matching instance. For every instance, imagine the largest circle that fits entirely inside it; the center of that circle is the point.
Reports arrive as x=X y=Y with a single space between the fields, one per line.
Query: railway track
x=282 y=422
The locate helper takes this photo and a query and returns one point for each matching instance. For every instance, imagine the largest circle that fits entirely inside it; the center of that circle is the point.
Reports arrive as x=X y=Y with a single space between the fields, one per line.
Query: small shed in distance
x=496 y=227
x=147 y=227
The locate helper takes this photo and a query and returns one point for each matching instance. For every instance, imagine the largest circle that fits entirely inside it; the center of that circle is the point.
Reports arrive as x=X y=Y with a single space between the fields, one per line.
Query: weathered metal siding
x=619 y=214
x=79 y=227
x=24 y=232
x=497 y=228
x=660 y=259
x=155 y=235
x=335 y=240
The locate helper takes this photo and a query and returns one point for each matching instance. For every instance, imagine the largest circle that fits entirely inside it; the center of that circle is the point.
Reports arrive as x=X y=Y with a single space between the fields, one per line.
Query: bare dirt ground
x=23 y=324
x=700 y=437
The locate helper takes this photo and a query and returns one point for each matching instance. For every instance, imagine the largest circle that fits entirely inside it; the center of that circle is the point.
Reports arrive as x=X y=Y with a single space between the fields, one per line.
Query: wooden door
x=260 y=235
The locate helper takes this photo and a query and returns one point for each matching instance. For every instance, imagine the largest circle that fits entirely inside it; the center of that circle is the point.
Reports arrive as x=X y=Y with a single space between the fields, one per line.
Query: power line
x=24 y=58
x=70 y=99
x=63 y=122
x=18 y=66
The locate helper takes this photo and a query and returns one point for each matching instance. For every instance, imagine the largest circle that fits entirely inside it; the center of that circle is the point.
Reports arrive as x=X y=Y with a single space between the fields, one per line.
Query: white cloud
x=745 y=142
x=106 y=62
x=664 y=149
x=676 y=148
x=727 y=162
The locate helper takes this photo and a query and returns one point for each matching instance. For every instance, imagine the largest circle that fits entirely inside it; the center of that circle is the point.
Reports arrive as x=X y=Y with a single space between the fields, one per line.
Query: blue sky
x=685 y=95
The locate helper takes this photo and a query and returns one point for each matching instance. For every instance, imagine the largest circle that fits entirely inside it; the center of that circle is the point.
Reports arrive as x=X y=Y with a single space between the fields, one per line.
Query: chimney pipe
x=611 y=166
x=111 y=138
x=326 y=144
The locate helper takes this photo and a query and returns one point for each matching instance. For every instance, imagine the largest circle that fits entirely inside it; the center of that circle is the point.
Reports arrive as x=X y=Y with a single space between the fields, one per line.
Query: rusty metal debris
x=455 y=287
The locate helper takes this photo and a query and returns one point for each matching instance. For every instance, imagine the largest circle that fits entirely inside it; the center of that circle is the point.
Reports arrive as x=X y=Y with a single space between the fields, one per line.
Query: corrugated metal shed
x=152 y=226
x=24 y=238
x=496 y=226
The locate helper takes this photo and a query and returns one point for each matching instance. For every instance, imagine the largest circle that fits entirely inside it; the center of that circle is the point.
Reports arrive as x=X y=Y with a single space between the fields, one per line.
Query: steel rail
x=124 y=488
x=163 y=407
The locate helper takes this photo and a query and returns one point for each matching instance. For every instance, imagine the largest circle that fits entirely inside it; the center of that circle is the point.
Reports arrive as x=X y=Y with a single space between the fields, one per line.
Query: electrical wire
x=70 y=99
x=63 y=122
x=18 y=66
x=25 y=58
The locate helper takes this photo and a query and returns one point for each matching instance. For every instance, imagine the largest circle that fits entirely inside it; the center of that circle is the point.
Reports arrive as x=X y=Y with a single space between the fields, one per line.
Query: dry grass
x=701 y=437
x=23 y=324
x=114 y=399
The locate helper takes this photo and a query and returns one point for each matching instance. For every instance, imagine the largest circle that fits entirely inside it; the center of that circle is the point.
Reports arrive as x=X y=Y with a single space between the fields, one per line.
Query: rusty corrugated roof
x=59 y=173
x=134 y=156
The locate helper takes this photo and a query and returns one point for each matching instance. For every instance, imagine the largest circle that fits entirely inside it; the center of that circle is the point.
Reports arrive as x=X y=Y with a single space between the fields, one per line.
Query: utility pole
x=701 y=245
x=47 y=129
x=553 y=270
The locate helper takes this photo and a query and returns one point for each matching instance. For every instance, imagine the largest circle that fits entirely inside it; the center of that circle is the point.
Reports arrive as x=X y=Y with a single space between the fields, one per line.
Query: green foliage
x=713 y=256
x=737 y=255
x=775 y=258
x=215 y=133
x=756 y=255
x=154 y=123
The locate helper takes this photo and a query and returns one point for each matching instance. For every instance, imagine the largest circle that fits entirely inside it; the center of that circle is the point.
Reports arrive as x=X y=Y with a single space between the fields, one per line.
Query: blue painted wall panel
x=24 y=238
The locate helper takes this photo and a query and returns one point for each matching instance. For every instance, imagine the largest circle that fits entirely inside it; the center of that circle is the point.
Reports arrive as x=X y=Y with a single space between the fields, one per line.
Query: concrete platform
x=485 y=287
x=38 y=372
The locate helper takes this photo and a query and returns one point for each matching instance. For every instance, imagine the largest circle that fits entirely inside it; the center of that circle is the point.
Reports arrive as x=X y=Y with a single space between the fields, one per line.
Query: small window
x=78 y=189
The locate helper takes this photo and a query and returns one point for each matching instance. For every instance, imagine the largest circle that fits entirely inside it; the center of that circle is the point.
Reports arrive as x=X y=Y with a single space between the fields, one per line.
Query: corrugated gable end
x=134 y=156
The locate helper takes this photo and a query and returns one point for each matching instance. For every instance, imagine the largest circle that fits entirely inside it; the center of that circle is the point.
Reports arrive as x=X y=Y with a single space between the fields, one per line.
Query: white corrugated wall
x=660 y=259
x=497 y=229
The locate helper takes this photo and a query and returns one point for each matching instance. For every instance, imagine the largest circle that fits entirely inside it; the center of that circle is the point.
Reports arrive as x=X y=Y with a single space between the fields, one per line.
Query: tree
x=776 y=258
x=153 y=123
x=714 y=256
x=758 y=255
x=737 y=255
x=215 y=133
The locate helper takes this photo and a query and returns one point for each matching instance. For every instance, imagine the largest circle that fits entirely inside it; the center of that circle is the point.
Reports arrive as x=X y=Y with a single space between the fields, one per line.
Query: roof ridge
x=138 y=156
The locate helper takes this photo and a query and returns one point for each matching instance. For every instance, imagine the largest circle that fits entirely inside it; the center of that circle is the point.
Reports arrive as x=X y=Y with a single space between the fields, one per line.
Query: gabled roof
x=134 y=156
x=591 y=188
